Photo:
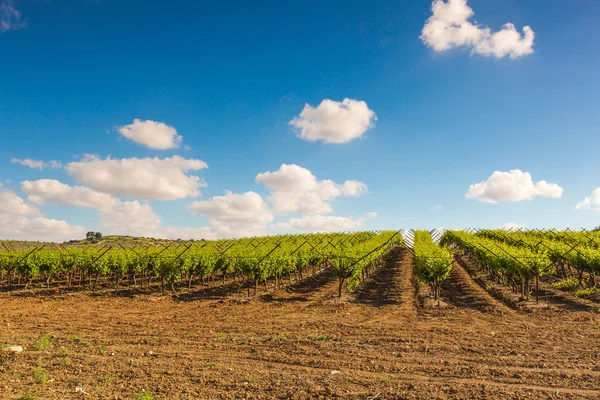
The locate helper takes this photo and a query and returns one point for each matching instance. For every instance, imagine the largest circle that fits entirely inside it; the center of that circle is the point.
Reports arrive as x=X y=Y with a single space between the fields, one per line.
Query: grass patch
x=385 y=379
x=29 y=396
x=587 y=293
x=40 y=375
x=106 y=378
x=212 y=365
x=144 y=394
x=322 y=338
x=248 y=379
x=568 y=284
x=43 y=343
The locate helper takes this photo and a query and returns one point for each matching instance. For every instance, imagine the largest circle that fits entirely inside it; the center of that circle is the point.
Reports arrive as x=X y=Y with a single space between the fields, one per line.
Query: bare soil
x=300 y=342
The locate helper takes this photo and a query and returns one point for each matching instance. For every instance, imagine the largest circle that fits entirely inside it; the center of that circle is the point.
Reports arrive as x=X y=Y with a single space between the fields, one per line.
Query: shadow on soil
x=381 y=289
x=461 y=295
x=303 y=290
x=457 y=292
x=219 y=292
x=299 y=291
x=553 y=298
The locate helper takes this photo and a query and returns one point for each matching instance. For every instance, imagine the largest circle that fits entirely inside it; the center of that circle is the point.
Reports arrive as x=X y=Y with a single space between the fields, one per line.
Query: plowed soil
x=299 y=343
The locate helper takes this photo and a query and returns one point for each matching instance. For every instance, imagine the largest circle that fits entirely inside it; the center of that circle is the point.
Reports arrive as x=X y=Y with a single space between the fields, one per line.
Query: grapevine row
x=431 y=263
x=250 y=261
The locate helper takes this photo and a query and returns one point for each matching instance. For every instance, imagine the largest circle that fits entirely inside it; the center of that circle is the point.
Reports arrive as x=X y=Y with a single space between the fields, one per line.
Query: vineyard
x=248 y=262
x=518 y=260
x=385 y=315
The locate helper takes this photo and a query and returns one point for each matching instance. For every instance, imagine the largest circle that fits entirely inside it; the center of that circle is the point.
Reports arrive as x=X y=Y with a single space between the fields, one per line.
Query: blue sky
x=437 y=101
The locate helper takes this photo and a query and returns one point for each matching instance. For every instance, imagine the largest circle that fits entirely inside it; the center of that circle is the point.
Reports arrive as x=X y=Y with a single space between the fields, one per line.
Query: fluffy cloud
x=511 y=226
x=16 y=227
x=334 y=121
x=323 y=223
x=288 y=178
x=37 y=164
x=187 y=233
x=115 y=215
x=52 y=191
x=10 y=17
x=128 y=217
x=591 y=202
x=232 y=215
x=449 y=27
x=145 y=178
x=155 y=135
x=302 y=203
x=512 y=186
x=296 y=189
x=10 y=203
x=15 y=224
x=235 y=215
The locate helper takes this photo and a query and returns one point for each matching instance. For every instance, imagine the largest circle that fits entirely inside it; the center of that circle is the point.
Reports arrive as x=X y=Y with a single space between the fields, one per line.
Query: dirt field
x=300 y=343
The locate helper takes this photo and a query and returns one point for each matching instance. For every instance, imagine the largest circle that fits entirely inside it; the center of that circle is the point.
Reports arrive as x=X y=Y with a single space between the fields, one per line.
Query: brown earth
x=300 y=343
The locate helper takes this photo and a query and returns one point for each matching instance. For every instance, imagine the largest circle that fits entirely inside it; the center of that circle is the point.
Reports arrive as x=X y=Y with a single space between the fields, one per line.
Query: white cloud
x=231 y=215
x=324 y=223
x=44 y=191
x=116 y=216
x=449 y=27
x=129 y=217
x=10 y=203
x=512 y=186
x=302 y=203
x=187 y=233
x=10 y=17
x=37 y=164
x=15 y=224
x=437 y=208
x=16 y=227
x=145 y=178
x=591 y=202
x=296 y=189
x=155 y=135
x=334 y=121
x=235 y=215
x=511 y=226
x=288 y=178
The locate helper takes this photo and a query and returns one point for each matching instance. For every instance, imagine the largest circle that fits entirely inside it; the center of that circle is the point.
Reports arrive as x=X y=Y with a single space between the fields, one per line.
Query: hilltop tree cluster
x=93 y=237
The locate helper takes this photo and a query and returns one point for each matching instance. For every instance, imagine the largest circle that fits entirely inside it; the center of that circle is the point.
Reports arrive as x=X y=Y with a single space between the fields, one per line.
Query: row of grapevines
x=513 y=266
x=251 y=260
x=351 y=265
x=431 y=263
x=566 y=250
